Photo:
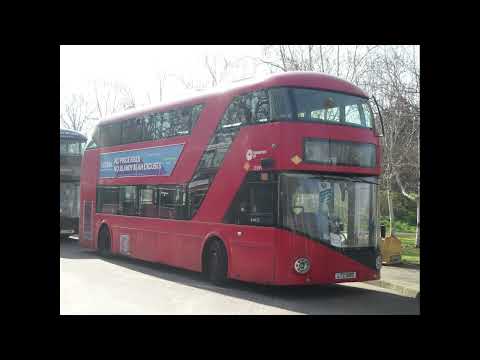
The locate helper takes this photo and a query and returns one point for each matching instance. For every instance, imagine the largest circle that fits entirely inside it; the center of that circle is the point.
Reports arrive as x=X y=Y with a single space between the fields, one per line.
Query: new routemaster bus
x=270 y=181
x=71 y=148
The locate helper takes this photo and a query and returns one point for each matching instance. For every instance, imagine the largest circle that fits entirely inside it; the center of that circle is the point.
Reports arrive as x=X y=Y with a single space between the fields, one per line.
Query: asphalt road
x=90 y=284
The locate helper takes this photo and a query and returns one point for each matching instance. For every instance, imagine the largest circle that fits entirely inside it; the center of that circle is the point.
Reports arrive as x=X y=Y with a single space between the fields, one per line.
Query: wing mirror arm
x=380 y=115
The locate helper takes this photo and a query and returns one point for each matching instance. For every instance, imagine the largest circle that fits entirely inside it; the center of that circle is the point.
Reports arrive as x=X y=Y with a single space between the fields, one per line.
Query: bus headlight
x=302 y=265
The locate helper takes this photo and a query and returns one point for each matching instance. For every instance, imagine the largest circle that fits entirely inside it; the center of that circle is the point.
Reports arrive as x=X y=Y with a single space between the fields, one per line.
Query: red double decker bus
x=270 y=181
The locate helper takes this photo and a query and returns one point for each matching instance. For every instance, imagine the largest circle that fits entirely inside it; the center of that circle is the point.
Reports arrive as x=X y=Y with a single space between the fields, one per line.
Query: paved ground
x=401 y=278
x=93 y=285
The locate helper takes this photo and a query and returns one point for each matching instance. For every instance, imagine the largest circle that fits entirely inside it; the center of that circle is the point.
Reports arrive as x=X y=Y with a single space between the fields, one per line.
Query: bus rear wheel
x=104 y=241
x=216 y=262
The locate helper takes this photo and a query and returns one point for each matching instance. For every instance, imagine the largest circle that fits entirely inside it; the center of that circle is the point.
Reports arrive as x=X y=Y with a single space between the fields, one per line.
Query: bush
x=405 y=210
x=400 y=226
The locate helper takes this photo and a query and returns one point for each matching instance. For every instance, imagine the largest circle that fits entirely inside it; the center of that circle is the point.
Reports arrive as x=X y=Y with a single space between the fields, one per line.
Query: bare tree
x=191 y=84
x=347 y=62
x=111 y=97
x=393 y=78
x=212 y=69
x=76 y=113
x=219 y=70
x=162 y=78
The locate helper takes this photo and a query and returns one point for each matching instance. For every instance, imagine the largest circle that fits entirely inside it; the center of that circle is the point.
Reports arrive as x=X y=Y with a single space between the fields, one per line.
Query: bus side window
x=152 y=127
x=182 y=123
x=197 y=189
x=148 y=201
x=280 y=104
x=167 y=203
x=234 y=115
x=207 y=159
x=168 y=121
x=111 y=134
x=132 y=130
x=180 y=203
x=108 y=199
x=245 y=109
x=196 y=110
x=260 y=106
x=128 y=200
x=196 y=198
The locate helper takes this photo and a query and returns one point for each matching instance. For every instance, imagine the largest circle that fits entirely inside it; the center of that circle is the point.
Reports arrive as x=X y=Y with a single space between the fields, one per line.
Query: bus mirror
x=380 y=116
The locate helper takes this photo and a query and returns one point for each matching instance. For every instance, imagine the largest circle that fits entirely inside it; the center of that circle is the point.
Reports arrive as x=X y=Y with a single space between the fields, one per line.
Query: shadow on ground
x=313 y=299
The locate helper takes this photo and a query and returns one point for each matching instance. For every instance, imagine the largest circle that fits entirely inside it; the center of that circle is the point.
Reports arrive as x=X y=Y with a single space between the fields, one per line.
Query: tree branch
x=404 y=193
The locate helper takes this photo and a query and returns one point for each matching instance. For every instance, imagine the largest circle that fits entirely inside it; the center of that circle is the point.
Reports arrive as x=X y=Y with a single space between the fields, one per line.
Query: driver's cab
x=337 y=211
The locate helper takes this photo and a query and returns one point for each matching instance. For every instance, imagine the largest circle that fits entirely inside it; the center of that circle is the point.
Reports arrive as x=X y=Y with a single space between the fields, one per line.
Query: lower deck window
x=148 y=198
x=165 y=201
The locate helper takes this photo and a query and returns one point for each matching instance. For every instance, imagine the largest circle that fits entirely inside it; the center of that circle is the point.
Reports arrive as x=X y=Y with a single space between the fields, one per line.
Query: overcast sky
x=140 y=66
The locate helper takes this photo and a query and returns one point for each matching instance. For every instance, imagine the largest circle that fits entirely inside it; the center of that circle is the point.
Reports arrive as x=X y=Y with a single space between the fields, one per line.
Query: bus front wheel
x=104 y=241
x=216 y=265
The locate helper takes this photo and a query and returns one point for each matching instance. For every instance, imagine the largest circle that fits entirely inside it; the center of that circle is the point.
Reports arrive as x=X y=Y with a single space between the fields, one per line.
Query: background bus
x=270 y=181
x=71 y=149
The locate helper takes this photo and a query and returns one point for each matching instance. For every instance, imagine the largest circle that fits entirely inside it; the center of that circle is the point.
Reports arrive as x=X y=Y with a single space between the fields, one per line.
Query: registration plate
x=67 y=231
x=345 y=275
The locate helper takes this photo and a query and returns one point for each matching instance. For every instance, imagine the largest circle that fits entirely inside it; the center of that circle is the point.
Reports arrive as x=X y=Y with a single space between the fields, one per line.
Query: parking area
x=90 y=284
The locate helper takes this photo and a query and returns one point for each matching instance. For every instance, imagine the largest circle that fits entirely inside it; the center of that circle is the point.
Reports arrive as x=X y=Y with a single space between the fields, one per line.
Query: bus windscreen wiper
x=339 y=178
x=359 y=179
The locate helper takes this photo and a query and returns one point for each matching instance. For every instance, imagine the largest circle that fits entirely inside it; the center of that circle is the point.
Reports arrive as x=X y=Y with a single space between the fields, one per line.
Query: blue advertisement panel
x=154 y=161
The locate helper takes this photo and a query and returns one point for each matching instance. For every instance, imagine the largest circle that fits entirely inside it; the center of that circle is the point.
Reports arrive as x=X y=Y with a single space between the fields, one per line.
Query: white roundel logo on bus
x=249 y=155
x=302 y=265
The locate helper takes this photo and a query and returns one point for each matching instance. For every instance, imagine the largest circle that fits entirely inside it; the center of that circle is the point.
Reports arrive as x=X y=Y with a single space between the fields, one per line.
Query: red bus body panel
x=255 y=254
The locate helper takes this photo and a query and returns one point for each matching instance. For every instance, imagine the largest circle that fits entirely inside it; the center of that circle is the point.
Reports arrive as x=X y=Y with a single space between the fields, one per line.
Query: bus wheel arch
x=215 y=260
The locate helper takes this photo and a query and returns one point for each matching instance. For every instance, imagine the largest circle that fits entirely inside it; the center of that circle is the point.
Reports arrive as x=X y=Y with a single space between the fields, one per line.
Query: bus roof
x=303 y=79
x=72 y=135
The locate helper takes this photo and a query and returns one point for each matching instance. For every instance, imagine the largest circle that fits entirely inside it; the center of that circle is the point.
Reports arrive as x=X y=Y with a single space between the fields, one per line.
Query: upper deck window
x=132 y=130
x=111 y=134
x=320 y=106
x=152 y=126
x=251 y=108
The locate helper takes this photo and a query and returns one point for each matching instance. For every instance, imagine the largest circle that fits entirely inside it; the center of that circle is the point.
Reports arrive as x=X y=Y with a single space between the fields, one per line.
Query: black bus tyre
x=104 y=242
x=217 y=262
